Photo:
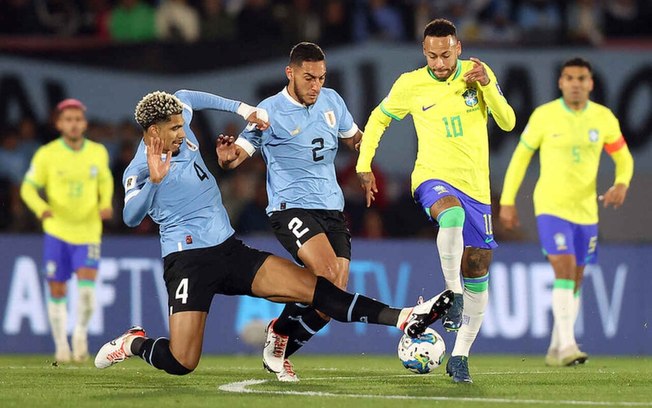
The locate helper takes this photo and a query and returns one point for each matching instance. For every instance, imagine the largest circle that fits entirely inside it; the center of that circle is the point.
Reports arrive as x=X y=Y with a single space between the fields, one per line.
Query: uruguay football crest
x=470 y=97
x=594 y=135
x=330 y=118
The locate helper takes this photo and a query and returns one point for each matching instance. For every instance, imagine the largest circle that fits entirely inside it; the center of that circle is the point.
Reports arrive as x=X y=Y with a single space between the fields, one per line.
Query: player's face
x=306 y=81
x=575 y=83
x=441 y=55
x=72 y=123
x=171 y=133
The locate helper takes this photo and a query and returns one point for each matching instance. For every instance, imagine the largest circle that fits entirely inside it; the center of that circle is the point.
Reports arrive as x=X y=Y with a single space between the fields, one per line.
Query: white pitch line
x=242 y=387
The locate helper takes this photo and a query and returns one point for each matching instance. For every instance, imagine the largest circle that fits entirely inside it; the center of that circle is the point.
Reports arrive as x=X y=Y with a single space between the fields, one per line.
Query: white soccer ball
x=422 y=354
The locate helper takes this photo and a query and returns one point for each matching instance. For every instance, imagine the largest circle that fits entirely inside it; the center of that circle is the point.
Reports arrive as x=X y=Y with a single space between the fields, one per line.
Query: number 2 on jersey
x=315 y=150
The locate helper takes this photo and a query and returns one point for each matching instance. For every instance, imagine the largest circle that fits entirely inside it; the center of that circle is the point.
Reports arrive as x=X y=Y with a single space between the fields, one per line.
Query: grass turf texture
x=326 y=381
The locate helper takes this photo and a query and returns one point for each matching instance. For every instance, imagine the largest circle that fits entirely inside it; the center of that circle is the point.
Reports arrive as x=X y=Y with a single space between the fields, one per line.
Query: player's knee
x=451 y=217
x=330 y=271
x=181 y=366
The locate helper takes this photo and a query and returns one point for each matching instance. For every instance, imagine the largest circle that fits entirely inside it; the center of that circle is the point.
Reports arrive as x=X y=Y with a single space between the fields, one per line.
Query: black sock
x=346 y=307
x=288 y=319
x=157 y=354
x=309 y=324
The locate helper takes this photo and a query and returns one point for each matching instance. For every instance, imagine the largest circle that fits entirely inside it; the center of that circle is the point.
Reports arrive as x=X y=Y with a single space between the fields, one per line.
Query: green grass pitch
x=327 y=381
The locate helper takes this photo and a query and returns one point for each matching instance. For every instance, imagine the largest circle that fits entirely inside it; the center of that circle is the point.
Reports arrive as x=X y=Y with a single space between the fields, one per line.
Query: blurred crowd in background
x=327 y=22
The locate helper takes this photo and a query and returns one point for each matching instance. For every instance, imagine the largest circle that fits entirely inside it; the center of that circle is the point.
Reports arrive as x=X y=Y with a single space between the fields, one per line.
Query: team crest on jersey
x=191 y=145
x=470 y=97
x=130 y=182
x=440 y=189
x=94 y=171
x=594 y=135
x=330 y=118
x=560 y=241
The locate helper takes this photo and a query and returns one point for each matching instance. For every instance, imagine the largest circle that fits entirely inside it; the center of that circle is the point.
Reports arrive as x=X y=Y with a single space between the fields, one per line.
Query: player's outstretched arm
x=229 y=154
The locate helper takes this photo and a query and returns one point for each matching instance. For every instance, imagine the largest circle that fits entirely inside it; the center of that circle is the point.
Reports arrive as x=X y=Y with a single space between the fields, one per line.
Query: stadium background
x=53 y=50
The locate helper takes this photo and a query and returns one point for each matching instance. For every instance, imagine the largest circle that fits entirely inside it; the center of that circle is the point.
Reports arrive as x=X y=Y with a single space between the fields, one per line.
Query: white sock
x=58 y=315
x=554 y=338
x=475 y=304
x=85 y=309
x=450 y=245
x=85 y=306
x=562 y=310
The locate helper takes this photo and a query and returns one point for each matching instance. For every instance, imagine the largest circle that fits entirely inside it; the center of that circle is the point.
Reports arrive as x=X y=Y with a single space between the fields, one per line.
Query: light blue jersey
x=187 y=204
x=299 y=148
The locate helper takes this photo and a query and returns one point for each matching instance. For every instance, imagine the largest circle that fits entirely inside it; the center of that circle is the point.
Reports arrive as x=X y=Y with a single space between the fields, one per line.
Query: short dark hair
x=440 y=27
x=306 y=51
x=577 y=62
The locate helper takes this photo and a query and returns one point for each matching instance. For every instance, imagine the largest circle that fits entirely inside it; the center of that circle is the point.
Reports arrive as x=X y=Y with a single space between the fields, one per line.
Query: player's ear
x=289 y=73
x=458 y=48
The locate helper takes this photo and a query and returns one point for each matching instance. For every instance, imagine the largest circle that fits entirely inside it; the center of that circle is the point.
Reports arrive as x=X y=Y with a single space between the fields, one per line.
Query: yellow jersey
x=570 y=144
x=77 y=185
x=450 y=119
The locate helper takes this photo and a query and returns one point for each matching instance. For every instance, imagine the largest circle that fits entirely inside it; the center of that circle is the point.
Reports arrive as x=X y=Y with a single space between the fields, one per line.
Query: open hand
x=368 y=184
x=158 y=168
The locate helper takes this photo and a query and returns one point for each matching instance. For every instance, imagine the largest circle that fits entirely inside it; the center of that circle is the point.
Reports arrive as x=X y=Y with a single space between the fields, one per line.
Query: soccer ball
x=422 y=354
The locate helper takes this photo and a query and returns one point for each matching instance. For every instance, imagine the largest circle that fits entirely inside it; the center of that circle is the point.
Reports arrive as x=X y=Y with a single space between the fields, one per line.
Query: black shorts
x=192 y=277
x=294 y=227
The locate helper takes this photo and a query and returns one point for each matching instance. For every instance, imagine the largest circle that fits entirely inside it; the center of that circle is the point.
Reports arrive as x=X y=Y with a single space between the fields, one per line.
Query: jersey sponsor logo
x=330 y=118
x=425 y=108
x=470 y=97
x=560 y=241
x=94 y=171
x=191 y=145
x=594 y=135
x=130 y=182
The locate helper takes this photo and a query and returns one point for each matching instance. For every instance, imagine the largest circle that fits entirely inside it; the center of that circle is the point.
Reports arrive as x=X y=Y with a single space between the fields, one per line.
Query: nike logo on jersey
x=425 y=108
x=488 y=240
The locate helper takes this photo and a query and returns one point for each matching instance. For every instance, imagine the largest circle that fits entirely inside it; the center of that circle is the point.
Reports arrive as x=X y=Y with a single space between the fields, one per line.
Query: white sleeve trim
x=349 y=133
x=186 y=106
x=131 y=195
x=246 y=145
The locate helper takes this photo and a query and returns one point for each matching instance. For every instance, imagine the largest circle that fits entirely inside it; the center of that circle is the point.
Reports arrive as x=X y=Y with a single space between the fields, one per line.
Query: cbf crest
x=330 y=118
x=470 y=97
x=594 y=135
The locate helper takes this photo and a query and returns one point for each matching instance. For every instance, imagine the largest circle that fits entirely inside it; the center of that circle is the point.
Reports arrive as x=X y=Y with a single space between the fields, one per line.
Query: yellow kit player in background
x=570 y=133
x=450 y=101
x=73 y=173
